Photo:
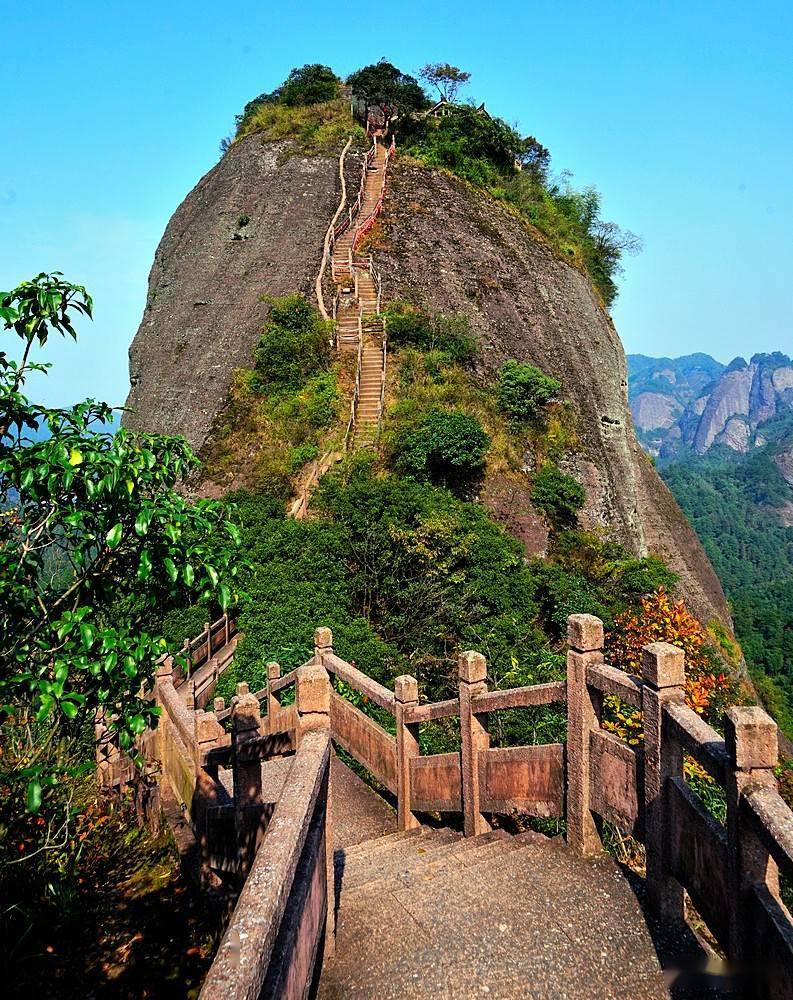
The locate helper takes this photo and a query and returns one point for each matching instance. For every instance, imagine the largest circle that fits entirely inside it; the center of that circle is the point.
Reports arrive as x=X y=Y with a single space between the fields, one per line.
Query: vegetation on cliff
x=482 y=149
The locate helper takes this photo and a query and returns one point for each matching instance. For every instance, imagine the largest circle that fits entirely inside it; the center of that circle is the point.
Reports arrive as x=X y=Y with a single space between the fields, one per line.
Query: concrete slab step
x=371 y=847
x=436 y=864
x=404 y=858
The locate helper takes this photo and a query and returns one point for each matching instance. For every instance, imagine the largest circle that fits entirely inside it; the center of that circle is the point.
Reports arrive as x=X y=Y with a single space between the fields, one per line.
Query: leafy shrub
x=449 y=336
x=475 y=146
x=523 y=390
x=295 y=343
x=447 y=446
x=662 y=619
x=557 y=495
x=310 y=84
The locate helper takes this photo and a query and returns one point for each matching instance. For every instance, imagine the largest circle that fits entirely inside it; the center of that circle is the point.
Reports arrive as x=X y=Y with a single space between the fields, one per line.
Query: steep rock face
x=203 y=313
x=653 y=410
x=448 y=247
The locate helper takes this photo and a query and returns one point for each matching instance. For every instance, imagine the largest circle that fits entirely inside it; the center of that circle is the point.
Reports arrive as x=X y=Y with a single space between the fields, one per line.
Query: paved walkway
x=430 y=914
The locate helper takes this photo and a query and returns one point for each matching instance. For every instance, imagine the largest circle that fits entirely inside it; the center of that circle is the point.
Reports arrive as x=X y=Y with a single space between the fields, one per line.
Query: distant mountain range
x=695 y=403
x=722 y=437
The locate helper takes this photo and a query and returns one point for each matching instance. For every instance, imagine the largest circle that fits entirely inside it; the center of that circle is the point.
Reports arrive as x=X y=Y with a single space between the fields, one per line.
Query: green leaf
x=144 y=567
x=224 y=596
x=188 y=574
x=46 y=705
x=69 y=709
x=87 y=634
x=113 y=537
x=212 y=573
x=143 y=521
x=75 y=457
x=170 y=569
x=34 y=796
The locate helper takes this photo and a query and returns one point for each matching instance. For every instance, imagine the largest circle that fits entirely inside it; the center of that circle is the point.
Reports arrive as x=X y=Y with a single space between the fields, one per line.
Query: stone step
x=402 y=859
x=371 y=847
x=453 y=863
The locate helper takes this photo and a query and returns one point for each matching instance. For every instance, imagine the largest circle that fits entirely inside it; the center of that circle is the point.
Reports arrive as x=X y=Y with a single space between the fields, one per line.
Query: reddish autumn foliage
x=663 y=619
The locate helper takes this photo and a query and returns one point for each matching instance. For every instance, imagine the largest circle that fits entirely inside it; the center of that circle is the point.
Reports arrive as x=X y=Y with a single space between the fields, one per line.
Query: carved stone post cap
x=312 y=689
x=164 y=668
x=242 y=689
x=219 y=704
x=584 y=633
x=750 y=735
x=323 y=638
x=663 y=665
x=207 y=727
x=406 y=688
x=245 y=713
x=273 y=671
x=471 y=667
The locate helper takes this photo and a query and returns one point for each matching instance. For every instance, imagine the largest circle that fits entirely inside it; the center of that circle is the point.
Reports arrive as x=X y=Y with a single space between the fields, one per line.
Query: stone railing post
x=163 y=675
x=273 y=701
x=750 y=736
x=663 y=669
x=247 y=775
x=584 y=708
x=406 y=692
x=226 y=629
x=208 y=630
x=472 y=671
x=323 y=643
x=208 y=733
x=312 y=695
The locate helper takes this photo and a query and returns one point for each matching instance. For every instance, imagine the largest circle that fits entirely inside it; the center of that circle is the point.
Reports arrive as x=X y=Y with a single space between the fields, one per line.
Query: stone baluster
x=406 y=692
x=208 y=733
x=663 y=669
x=584 y=709
x=472 y=672
x=208 y=630
x=750 y=736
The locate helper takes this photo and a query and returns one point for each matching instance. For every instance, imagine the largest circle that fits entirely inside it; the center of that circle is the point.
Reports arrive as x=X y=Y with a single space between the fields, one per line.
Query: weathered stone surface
x=203 y=313
x=663 y=665
x=750 y=736
x=457 y=251
x=584 y=632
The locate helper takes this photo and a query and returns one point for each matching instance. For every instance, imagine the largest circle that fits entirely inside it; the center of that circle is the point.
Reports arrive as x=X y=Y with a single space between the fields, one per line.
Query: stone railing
x=730 y=871
x=279 y=837
x=282 y=924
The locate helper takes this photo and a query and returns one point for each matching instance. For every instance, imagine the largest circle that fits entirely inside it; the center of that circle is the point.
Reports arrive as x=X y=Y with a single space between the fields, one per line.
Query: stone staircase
x=358 y=325
x=429 y=913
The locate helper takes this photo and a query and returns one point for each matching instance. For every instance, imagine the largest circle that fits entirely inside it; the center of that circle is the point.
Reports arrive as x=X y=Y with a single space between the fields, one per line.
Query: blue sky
x=680 y=113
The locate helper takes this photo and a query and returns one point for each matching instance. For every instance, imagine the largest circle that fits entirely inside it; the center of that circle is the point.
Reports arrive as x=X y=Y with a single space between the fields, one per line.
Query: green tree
x=294 y=345
x=383 y=83
x=523 y=390
x=94 y=539
x=310 y=84
x=557 y=495
x=445 y=78
x=448 y=446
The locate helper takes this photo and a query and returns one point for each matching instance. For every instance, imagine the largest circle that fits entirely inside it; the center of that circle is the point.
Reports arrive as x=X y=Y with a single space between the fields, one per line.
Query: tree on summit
x=445 y=78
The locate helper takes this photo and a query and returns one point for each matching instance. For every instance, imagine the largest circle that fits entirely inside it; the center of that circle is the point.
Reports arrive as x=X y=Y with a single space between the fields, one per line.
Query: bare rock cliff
x=457 y=251
x=441 y=242
x=203 y=313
